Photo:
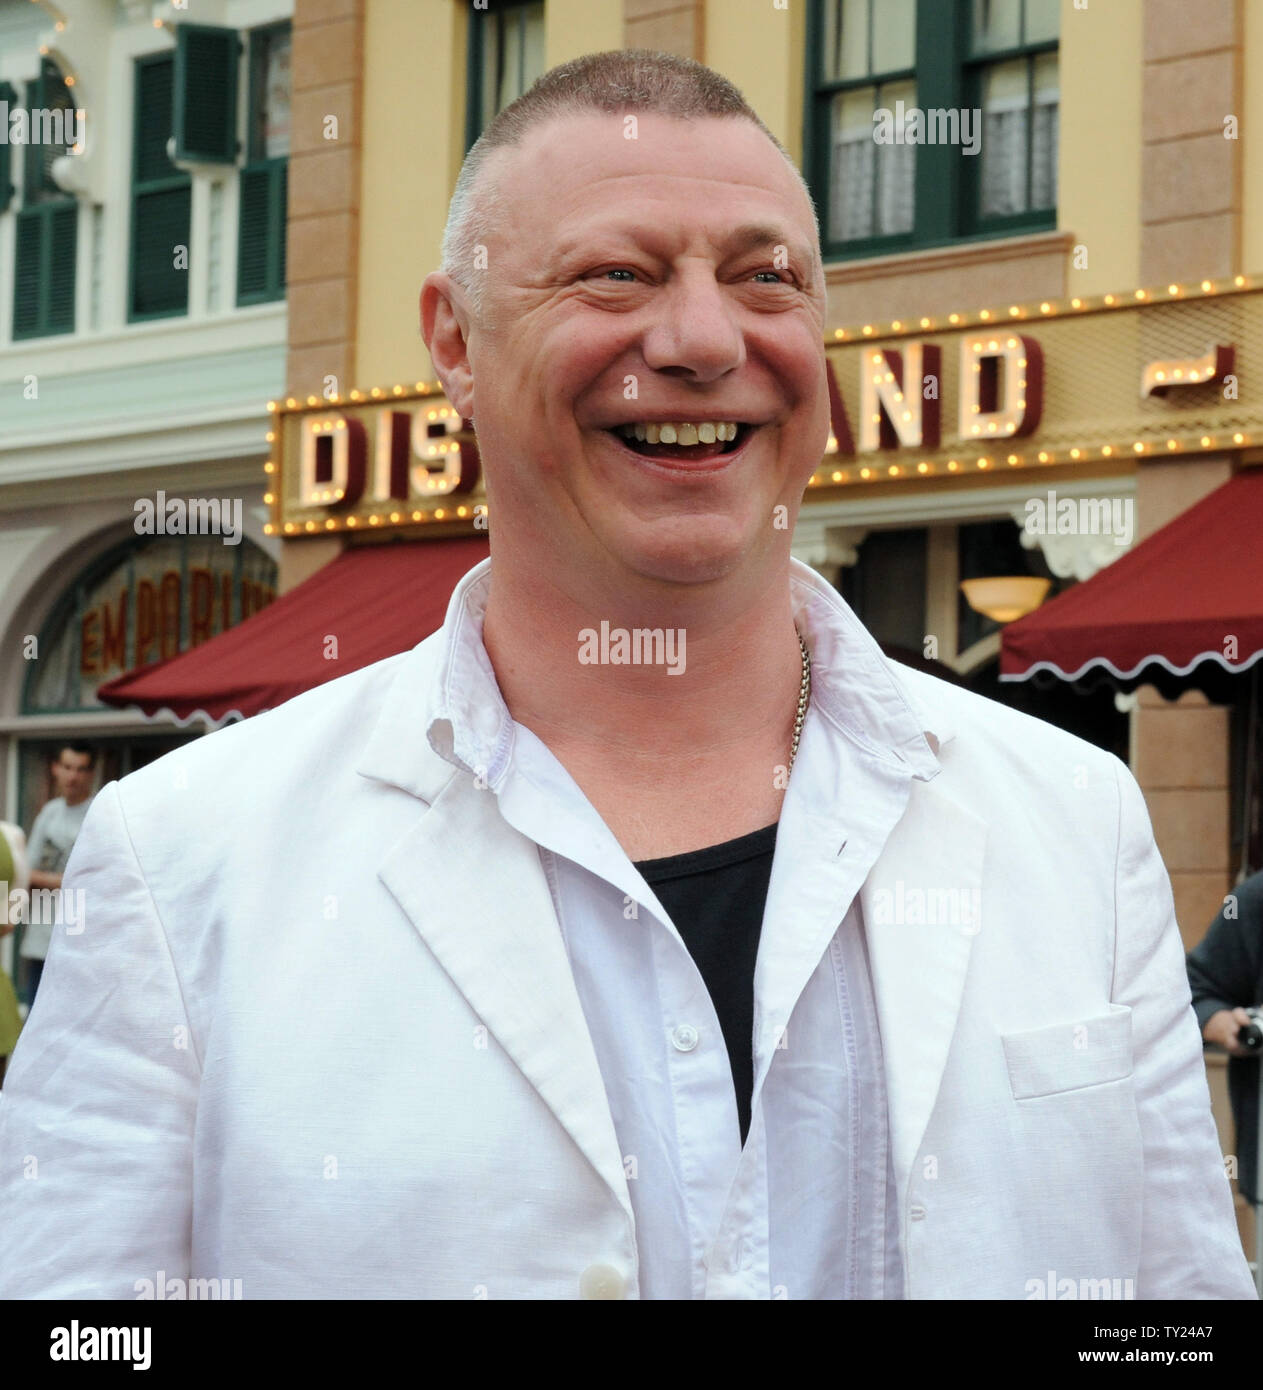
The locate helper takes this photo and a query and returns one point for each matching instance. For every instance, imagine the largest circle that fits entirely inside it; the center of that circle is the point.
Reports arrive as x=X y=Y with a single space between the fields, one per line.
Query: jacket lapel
x=475 y=891
x=922 y=908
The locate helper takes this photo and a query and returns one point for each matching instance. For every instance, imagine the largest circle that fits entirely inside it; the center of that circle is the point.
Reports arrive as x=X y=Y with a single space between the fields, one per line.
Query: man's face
x=72 y=775
x=671 y=278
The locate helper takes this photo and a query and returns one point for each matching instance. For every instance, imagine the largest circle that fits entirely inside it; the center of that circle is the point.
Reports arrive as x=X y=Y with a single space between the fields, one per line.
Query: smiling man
x=775 y=970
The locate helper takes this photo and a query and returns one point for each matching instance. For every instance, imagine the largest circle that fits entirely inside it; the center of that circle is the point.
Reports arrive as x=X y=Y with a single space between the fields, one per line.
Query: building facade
x=143 y=324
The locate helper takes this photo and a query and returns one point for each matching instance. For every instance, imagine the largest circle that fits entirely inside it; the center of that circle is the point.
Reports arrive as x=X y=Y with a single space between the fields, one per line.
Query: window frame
x=946 y=188
x=975 y=66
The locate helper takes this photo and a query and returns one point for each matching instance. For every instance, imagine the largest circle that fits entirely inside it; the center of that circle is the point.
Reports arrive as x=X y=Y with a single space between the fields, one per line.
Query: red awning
x=1179 y=599
x=377 y=600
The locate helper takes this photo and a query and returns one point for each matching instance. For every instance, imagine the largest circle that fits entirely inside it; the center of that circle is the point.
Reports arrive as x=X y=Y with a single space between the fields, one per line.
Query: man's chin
x=689 y=559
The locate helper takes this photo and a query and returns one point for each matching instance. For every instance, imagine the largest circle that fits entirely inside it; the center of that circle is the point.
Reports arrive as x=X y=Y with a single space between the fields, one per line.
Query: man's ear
x=445 y=328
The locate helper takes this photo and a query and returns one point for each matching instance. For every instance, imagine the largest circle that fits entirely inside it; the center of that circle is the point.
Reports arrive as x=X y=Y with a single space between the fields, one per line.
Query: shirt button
x=917 y=1212
x=602 y=1281
x=684 y=1037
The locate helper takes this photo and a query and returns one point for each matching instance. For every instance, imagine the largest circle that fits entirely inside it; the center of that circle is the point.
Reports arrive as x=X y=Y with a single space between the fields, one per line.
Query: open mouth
x=683 y=442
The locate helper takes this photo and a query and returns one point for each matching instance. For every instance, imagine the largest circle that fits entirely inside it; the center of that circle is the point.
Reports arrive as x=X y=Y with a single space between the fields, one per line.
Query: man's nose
x=694 y=332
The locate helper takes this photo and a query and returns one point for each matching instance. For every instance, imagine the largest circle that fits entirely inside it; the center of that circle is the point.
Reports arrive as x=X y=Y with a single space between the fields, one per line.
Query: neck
x=735 y=697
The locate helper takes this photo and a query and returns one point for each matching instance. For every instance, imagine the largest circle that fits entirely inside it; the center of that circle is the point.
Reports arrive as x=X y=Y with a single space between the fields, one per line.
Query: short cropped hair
x=631 y=79
x=82 y=749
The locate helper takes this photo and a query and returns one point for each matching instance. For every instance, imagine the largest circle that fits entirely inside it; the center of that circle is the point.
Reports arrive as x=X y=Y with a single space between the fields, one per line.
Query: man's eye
x=619 y=270
x=777 y=278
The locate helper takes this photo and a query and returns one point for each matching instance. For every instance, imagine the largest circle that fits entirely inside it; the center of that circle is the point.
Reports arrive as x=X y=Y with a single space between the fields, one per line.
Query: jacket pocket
x=1069 y=1056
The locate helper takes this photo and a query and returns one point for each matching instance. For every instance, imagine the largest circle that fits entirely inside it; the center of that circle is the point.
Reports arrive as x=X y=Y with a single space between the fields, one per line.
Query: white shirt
x=808 y=1208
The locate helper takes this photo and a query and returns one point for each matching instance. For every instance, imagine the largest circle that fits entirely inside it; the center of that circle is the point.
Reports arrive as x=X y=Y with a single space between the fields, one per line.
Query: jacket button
x=602 y=1281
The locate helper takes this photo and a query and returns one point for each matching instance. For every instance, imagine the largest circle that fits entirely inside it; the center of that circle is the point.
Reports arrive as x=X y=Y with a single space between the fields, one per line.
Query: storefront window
x=138 y=605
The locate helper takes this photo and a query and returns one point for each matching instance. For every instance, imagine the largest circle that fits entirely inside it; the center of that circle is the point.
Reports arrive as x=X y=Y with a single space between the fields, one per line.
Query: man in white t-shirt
x=52 y=838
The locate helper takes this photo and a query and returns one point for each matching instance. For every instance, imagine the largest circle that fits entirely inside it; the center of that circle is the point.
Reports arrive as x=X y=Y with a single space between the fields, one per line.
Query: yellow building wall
x=762 y=49
x=1250 y=134
x=1099 y=156
x=575 y=27
x=414 y=129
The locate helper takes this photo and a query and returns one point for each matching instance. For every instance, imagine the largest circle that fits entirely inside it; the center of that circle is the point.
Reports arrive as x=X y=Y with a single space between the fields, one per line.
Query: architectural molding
x=825 y=546
x=1078 y=555
x=921 y=508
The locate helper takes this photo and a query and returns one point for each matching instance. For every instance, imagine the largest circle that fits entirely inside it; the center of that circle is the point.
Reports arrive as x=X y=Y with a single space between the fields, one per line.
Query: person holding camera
x=1225 y=973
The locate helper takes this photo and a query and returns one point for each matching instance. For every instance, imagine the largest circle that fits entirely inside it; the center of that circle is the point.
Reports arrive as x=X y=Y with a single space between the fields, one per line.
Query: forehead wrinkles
x=575 y=220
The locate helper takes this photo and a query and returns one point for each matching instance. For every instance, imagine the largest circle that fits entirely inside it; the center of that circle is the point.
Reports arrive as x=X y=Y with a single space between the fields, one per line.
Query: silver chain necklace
x=804 y=698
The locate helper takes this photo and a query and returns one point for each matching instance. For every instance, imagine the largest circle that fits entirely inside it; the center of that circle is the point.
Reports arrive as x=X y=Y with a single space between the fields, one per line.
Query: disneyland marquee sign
x=1075 y=383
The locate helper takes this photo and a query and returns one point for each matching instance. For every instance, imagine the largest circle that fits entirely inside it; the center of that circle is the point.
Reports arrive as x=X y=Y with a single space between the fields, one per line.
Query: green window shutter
x=153 y=122
x=252 y=248
x=161 y=197
x=161 y=223
x=62 y=242
x=204 y=103
x=280 y=204
x=8 y=95
x=26 y=290
x=261 y=241
x=44 y=279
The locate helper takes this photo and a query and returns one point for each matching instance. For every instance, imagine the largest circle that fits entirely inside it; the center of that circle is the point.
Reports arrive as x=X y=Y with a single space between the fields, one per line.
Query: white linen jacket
x=258 y=1060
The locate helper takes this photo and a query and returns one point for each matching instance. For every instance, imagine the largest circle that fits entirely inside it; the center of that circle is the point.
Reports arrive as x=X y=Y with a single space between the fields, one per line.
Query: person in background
x=52 y=838
x=1226 y=977
x=1225 y=974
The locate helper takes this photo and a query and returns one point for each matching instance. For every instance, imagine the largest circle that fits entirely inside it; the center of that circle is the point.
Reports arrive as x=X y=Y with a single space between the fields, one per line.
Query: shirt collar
x=854 y=685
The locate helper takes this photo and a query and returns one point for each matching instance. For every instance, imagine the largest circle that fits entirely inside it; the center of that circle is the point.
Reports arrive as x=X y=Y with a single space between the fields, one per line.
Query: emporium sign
x=1100 y=382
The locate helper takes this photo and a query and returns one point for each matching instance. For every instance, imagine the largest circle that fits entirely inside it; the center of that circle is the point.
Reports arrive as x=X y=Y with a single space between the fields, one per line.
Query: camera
x=1250 y=1035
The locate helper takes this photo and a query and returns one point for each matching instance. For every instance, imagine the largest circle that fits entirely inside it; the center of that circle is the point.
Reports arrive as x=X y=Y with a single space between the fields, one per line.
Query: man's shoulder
x=312 y=738
x=48 y=812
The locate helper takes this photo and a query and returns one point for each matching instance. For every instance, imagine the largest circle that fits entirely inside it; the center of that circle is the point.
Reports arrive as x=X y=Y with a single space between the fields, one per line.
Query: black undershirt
x=715 y=899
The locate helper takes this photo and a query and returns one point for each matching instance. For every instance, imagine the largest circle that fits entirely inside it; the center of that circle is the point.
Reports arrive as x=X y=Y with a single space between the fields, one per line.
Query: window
x=506 y=54
x=886 y=587
x=1012 y=79
x=47 y=222
x=930 y=120
x=161 y=193
x=261 y=240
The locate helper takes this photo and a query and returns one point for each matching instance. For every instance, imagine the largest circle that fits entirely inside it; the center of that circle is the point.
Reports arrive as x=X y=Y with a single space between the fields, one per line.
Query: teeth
x=686 y=432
